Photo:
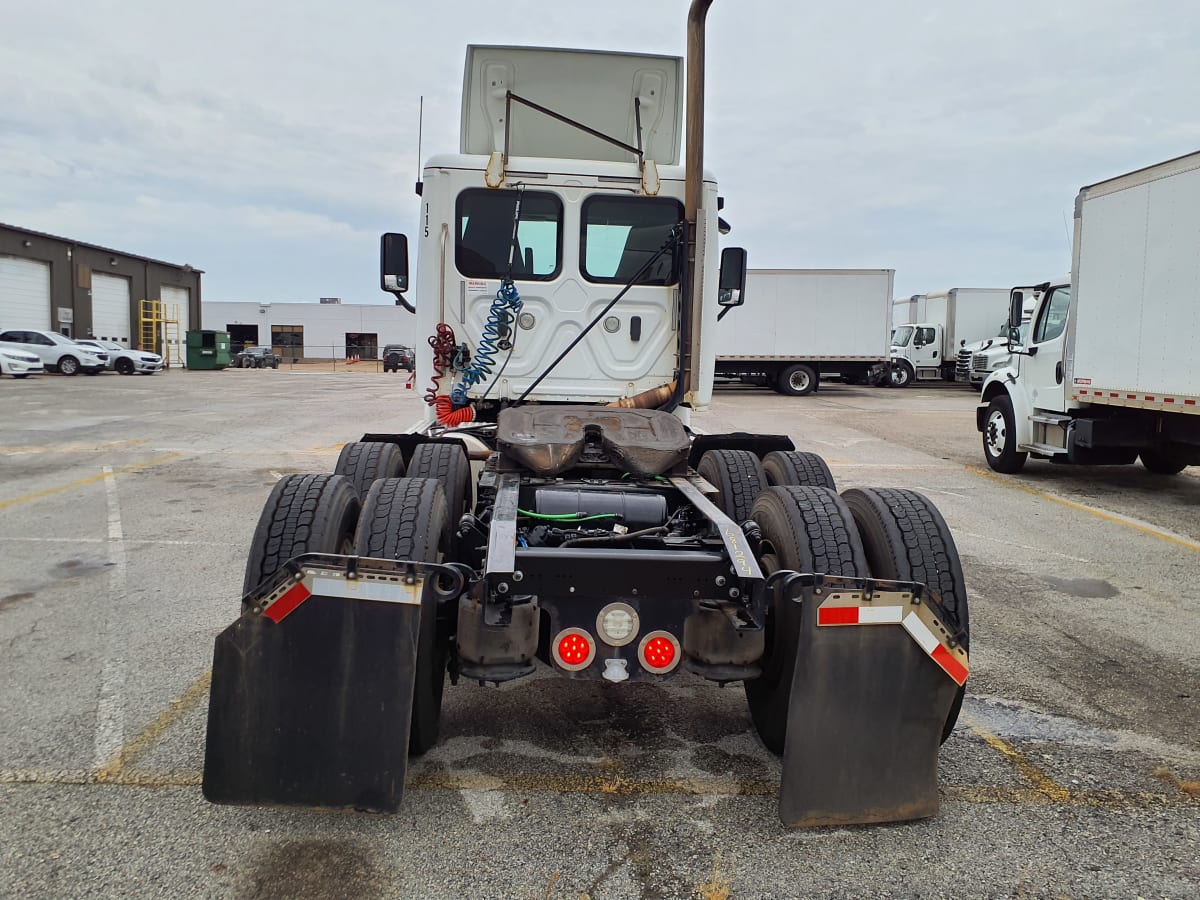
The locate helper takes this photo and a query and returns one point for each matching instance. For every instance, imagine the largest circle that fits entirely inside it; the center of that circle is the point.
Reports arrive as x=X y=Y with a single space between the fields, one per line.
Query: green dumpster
x=208 y=349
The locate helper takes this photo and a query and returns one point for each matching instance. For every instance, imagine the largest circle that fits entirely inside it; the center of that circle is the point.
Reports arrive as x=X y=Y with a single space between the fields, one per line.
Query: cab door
x=926 y=343
x=1041 y=365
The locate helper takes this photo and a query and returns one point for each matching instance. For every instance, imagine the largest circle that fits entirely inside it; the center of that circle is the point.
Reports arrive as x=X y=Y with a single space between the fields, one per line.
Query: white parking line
x=110 y=708
x=104 y=540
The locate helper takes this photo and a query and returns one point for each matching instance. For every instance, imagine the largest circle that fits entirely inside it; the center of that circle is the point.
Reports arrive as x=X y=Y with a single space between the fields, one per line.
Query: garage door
x=110 y=308
x=24 y=293
x=176 y=305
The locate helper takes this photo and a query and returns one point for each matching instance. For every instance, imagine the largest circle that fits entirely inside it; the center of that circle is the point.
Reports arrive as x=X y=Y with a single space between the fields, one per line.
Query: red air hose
x=449 y=416
x=443 y=345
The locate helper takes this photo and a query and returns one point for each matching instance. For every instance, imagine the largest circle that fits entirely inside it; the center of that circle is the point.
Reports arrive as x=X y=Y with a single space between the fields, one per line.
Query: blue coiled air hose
x=501 y=318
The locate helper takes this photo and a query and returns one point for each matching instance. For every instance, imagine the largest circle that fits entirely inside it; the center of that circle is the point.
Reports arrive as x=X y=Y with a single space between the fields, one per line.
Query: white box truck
x=1107 y=372
x=807 y=324
x=925 y=348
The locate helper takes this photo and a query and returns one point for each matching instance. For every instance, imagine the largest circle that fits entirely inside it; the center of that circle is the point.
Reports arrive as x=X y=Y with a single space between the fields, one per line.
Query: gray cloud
x=271 y=143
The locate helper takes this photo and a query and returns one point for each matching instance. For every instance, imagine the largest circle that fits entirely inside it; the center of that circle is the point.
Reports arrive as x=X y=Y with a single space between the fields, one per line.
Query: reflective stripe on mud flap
x=921 y=623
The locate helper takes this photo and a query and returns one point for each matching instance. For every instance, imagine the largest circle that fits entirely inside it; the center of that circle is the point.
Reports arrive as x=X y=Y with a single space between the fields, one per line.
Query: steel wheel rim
x=997 y=433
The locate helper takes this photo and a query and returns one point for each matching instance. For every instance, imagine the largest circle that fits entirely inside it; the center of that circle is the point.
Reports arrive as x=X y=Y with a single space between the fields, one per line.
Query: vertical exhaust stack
x=693 y=306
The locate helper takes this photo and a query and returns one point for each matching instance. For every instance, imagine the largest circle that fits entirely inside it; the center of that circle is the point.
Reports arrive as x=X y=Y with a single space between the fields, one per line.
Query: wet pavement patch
x=1086 y=588
x=314 y=869
x=79 y=566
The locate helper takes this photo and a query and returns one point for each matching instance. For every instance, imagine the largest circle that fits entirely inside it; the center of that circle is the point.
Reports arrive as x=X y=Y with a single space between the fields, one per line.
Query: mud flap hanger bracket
x=868 y=601
x=353 y=578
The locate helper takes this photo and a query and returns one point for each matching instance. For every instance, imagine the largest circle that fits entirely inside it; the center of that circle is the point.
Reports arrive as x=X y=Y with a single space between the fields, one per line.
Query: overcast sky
x=270 y=143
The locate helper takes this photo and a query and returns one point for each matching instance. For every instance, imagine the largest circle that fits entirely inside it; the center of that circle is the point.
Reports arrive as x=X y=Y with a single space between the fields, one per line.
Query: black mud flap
x=875 y=679
x=312 y=687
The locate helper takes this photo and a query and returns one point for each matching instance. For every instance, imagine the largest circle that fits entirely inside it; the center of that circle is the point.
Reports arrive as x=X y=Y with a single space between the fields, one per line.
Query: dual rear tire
x=882 y=533
x=399 y=518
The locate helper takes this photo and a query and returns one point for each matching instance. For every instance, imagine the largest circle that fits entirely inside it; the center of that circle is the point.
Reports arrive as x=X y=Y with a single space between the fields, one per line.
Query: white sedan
x=124 y=360
x=19 y=363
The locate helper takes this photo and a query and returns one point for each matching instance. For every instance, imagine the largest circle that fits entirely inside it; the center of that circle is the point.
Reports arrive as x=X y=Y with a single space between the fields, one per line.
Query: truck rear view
x=554 y=510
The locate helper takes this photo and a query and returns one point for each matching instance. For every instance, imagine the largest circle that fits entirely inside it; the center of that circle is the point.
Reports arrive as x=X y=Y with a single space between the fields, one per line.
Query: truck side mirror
x=731 y=290
x=1016 y=307
x=393 y=267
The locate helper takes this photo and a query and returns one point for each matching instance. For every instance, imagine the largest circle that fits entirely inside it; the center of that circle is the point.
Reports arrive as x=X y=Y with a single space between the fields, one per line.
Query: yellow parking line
x=70 y=448
x=1039 y=780
x=599 y=786
x=146 y=738
x=91 y=479
x=1090 y=510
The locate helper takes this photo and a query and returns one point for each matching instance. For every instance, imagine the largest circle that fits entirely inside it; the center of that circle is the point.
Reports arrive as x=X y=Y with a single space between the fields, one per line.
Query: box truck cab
x=926 y=347
x=1104 y=373
x=979 y=359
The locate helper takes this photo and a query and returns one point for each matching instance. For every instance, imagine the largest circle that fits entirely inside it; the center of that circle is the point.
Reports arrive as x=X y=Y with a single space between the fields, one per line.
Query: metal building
x=313 y=330
x=82 y=290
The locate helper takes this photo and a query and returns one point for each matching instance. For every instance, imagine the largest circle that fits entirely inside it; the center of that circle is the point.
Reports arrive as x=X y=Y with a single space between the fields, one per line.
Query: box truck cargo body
x=1108 y=371
x=925 y=348
x=799 y=326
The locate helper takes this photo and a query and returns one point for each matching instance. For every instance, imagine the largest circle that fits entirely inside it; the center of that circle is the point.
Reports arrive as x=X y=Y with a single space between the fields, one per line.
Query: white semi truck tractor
x=1106 y=372
x=554 y=509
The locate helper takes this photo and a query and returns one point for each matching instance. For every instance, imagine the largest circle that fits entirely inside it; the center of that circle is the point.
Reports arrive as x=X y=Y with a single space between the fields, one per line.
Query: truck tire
x=797 y=380
x=406 y=518
x=303 y=514
x=805 y=529
x=449 y=465
x=784 y=467
x=738 y=477
x=906 y=539
x=902 y=374
x=1000 y=437
x=365 y=462
x=1162 y=462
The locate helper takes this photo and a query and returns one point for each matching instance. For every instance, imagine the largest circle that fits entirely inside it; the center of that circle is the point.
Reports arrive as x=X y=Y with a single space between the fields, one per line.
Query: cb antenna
x=420 y=125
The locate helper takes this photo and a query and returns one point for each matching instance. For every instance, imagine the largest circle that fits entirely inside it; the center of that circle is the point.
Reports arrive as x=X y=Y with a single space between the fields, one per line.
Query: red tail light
x=659 y=652
x=574 y=649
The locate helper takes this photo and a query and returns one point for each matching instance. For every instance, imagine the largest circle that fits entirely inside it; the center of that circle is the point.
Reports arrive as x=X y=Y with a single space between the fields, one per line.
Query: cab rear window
x=621 y=234
x=484 y=244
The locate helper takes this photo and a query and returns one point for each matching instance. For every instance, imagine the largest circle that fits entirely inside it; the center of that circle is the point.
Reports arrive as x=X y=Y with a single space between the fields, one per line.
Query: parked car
x=58 y=353
x=122 y=359
x=19 y=363
x=397 y=357
x=257 y=358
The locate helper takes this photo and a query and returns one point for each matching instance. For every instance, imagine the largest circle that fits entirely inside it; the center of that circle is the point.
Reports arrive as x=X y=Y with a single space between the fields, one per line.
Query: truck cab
x=1032 y=413
x=916 y=353
x=570 y=213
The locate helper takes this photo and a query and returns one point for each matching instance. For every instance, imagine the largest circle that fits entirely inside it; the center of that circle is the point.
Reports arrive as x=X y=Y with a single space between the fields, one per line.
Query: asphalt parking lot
x=126 y=509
